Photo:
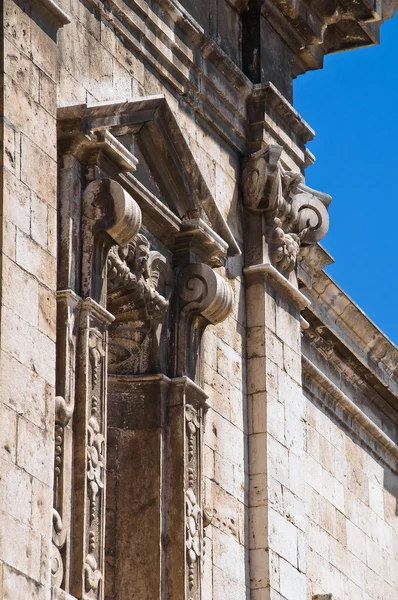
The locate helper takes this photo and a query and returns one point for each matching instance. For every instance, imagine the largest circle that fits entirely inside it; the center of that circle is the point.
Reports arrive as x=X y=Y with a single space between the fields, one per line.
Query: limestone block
x=228 y=512
x=294 y=432
x=8 y=433
x=296 y=478
x=222 y=582
x=376 y=499
x=258 y=444
x=229 y=556
x=36 y=260
x=258 y=493
x=21 y=69
x=35 y=163
x=21 y=292
x=9 y=239
x=256 y=375
x=292 y=582
x=47 y=313
x=223 y=437
x=36 y=456
x=28 y=345
x=30 y=118
x=289 y=393
x=15 y=492
x=259 y=528
x=292 y=363
x=39 y=220
x=15 y=380
x=20 y=547
x=41 y=520
x=16 y=207
x=260 y=564
x=356 y=541
x=327 y=516
x=278 y=461
x=293 y=508
x=12 y=145
x=47 y=93
x=333 y=490
x=17 y=586
x=288 y=326
x=17 y=24
x=224 y=473
x=282 y=537
x=43 y=46
x=218 y=388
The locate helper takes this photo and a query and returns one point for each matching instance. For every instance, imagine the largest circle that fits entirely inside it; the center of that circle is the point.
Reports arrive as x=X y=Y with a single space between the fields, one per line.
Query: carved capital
x=294 y=214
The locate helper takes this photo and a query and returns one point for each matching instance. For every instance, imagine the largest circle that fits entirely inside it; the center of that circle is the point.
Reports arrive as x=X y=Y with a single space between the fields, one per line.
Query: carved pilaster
x=204 y=297
x=187 y=516
x=294 y=214
x=90 y=451
x=106 y=216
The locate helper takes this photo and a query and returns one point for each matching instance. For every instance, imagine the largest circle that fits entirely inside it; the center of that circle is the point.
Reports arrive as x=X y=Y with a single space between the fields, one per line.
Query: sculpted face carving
x=294 y=213
x=138 y=295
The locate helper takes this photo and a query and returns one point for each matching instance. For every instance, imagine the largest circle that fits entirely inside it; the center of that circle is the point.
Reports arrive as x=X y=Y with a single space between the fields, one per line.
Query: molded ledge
x=266 y=272
x=334 y=393
x=57 y=15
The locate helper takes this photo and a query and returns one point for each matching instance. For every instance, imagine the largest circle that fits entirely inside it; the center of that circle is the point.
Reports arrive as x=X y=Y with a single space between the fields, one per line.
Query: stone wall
x=303 y=503
x=28 y=271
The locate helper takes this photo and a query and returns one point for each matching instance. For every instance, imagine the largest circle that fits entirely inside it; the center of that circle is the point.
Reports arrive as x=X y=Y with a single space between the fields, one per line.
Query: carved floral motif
x=294 y=213
x=95 y=457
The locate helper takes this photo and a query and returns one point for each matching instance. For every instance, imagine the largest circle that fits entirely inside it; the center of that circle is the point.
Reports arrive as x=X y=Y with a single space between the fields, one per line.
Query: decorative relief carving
x=92 y=575
x=196 y=517
x=95 y=456
x=139 y=287
x=294 y=213
x=205 y=297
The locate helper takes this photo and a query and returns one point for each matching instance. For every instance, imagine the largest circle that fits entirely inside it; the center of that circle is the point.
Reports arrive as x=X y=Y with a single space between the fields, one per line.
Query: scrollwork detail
x=294 y=213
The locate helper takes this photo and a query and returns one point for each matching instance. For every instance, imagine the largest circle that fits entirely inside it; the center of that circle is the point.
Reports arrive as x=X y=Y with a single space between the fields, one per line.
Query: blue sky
x=352 y=103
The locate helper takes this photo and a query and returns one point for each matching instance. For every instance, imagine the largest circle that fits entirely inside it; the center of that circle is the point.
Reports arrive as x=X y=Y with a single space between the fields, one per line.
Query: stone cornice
x=266 y=272
x=54 y=13
x=345 y=410
x=376 y=354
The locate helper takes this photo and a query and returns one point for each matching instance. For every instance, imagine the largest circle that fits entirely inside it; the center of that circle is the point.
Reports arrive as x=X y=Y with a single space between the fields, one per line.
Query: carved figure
x=136 y=276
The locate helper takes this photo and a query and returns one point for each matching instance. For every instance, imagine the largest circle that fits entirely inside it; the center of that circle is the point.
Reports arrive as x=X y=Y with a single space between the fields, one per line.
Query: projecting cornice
x=313 y=29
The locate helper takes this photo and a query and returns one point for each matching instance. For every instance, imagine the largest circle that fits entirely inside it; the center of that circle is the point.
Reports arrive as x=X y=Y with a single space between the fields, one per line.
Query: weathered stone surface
x=241 y=448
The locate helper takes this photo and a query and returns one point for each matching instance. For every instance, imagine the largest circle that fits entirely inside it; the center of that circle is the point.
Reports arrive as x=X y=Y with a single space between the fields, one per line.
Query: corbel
x=294 y=215
x=203 y=298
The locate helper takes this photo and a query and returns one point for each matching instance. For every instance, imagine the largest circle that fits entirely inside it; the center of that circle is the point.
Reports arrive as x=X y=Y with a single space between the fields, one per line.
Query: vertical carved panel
x=90 y=435
x=184 y=463
x=67 y=317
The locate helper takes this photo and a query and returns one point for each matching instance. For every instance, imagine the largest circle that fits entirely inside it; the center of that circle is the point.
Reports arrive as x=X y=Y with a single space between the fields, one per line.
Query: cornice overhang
x=345 y=327
x=314 y=29
x=150 y=123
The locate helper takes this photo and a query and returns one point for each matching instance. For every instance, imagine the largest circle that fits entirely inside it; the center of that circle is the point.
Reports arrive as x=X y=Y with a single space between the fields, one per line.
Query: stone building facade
x=191 y=408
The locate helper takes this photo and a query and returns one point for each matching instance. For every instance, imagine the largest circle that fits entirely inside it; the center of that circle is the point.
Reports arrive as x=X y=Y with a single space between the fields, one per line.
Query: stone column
x=281 y=215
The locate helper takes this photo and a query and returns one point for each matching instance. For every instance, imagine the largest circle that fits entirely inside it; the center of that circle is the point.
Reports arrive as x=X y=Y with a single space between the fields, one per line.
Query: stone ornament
x=137 y=278
x=204 y=298
x=294 y=214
